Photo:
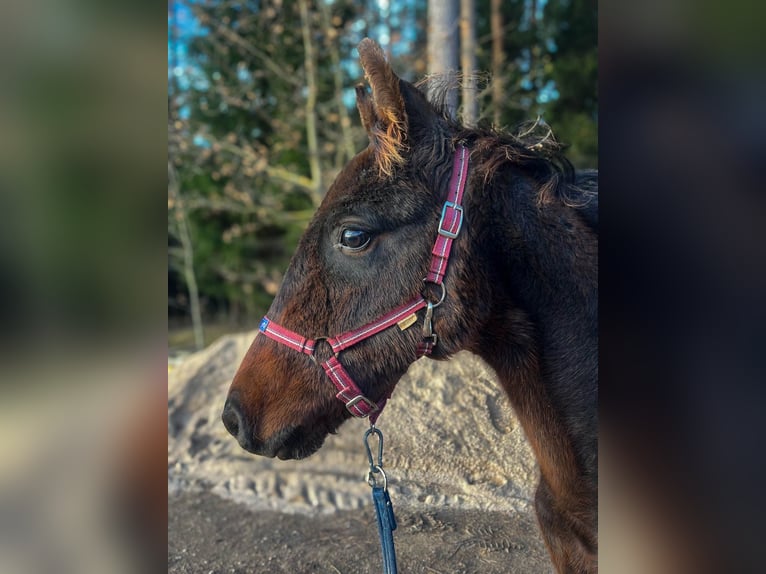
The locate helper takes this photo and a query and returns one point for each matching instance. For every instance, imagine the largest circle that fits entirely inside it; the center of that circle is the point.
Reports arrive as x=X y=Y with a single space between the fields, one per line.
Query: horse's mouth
x=293 y=443
x=298 y=445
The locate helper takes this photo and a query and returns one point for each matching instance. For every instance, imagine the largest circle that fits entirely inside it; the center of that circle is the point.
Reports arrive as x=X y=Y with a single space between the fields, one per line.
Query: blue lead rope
x=383 y=508
x=386 y=527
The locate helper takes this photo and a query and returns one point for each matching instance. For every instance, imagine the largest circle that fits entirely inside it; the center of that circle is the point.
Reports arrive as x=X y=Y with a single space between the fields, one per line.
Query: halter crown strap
x=452 y=218
x=349 y=392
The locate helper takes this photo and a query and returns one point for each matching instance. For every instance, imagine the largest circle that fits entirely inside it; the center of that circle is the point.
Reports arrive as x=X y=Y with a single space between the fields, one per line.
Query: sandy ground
x=461 y=473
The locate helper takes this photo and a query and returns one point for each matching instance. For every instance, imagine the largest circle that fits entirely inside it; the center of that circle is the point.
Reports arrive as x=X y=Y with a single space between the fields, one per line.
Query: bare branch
x=286 y=176
x=273 y=66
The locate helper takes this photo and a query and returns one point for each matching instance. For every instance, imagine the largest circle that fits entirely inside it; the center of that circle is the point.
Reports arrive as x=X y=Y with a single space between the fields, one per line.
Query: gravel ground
x=210 y=535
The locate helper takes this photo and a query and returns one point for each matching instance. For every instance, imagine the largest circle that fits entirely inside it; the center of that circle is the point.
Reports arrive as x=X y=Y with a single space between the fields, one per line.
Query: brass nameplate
x=407 y=322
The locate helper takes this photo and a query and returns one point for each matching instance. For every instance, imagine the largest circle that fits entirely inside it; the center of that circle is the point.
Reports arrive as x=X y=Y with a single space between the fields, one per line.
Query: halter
x=348 y=391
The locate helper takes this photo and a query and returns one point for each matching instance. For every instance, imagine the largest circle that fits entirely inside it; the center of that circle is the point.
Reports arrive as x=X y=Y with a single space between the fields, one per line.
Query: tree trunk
x=182 y=226
x=348 y=148
x=498 y=59
x=443 y=37
x=311 y=99
x=468 y=61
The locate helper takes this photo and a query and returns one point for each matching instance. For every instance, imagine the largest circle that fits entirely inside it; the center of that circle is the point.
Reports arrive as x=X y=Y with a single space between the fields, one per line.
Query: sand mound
x=451 y=441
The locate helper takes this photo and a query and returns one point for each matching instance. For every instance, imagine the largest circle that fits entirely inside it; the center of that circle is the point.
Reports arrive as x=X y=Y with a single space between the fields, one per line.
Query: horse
x=518 y=287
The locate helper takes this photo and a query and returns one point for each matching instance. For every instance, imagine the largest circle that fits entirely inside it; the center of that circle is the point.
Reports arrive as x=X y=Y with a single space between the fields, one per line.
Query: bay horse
x=518 y=287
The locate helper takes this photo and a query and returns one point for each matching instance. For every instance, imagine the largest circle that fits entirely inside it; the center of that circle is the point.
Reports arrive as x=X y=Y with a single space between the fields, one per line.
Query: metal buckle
x=427 y=322
x=358 y=399
x=459 y=209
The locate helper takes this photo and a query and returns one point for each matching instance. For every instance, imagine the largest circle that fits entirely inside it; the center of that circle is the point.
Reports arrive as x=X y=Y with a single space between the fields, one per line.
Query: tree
x=443 y=18
x=572 y=25
x=180 y=225
x=498 y=60
x=263 y=117
x=256 y=126
x=543 y=61
x=504 y=40
x=468 y=61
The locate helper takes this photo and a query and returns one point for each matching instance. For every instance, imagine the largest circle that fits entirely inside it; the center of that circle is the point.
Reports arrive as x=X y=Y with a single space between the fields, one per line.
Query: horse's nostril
x=235 y=422
x=231 y=417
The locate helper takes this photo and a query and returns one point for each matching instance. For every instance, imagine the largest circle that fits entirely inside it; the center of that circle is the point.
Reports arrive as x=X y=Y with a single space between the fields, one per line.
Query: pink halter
x=348 y=391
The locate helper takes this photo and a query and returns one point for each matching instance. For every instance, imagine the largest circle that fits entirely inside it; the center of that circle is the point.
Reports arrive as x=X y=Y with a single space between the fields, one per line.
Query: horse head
x=365 y=253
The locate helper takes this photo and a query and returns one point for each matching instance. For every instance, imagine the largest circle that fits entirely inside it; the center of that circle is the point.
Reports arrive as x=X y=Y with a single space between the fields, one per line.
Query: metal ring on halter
x=313 y=356
x=443 y=295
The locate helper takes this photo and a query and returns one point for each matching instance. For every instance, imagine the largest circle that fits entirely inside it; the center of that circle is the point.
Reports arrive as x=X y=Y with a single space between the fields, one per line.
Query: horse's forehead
x=360 y=184
x=358 y=172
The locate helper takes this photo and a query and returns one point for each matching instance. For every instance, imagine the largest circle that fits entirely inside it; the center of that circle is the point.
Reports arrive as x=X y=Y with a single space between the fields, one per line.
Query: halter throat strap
x=349 y=393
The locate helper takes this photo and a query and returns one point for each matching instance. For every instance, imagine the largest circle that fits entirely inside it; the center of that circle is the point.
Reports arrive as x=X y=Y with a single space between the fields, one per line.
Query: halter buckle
x=361 y=399
x=458 y=209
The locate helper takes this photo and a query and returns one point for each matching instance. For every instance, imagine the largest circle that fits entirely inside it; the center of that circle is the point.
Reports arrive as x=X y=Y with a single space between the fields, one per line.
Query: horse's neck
x=542 y=336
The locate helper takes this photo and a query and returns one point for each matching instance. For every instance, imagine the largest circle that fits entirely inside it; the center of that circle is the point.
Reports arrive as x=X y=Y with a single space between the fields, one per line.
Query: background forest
x=261 y=117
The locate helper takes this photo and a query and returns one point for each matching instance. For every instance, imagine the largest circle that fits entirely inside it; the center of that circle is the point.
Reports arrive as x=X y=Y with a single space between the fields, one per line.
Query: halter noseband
x=348 y=391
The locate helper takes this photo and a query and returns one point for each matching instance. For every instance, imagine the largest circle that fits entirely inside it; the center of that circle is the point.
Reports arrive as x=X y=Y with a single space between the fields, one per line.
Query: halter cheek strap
x=349 y=392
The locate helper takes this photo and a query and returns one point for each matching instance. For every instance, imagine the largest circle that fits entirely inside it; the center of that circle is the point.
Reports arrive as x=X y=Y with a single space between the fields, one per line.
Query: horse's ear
x=384 y=116
x=364 y=105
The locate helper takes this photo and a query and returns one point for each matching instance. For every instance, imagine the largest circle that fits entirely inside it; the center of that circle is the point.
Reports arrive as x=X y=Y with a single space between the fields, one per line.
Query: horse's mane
x=531 y=147
x=538 y=154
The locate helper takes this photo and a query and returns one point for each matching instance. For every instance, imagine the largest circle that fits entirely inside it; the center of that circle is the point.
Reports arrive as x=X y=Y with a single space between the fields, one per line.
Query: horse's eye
x=354 y=239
